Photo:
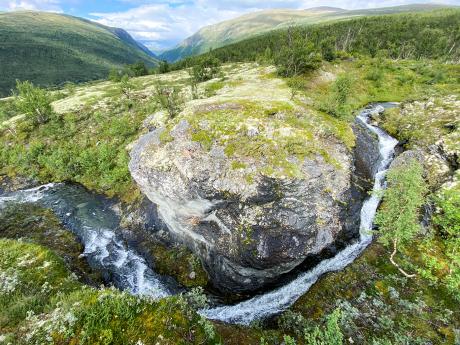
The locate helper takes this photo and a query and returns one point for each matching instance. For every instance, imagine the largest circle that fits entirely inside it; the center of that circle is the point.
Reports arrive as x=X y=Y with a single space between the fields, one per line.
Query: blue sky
x=162 y=24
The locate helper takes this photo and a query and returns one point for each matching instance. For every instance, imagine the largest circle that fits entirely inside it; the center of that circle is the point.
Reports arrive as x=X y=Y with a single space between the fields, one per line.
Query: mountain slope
x=230 y=31
x=50 y=49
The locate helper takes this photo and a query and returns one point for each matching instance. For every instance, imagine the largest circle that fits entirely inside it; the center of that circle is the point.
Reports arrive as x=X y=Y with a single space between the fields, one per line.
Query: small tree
x=126 y=87
x=342 y=89
x=193 y=85
x=335 y=102
x=115 y=75
x=139 y=69
x=398 y=218
x=328 y=49
x=34 y=102
x=298 y=57
x=206 y=68
x=169 y=99
x=163 y=67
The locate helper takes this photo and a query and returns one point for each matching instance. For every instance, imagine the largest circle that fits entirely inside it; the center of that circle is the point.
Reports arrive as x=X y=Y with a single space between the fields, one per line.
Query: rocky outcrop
x=247 y=233
x=430 y=127
x=367 y=147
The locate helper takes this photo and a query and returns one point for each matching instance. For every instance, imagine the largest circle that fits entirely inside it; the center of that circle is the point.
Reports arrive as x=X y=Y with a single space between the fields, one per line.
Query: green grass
x=41 y=302
x=50 y=49
x=30 y=276
x=379 y=303
x=399 y=81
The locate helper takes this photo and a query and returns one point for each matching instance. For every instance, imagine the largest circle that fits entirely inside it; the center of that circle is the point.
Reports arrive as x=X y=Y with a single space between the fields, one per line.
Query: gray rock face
x=247 y=234
x=405 y=158
x=366 y=150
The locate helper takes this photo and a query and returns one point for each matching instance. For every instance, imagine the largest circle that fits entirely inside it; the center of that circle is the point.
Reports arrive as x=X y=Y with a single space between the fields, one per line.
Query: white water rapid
x=93 y=221
x=96 y=225
x=278 y=300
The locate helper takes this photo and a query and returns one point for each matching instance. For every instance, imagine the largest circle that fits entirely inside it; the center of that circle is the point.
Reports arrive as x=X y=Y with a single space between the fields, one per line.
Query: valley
x=297 y=187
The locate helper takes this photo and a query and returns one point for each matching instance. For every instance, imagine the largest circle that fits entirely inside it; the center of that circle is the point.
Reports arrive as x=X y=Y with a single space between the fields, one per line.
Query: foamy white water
x=30 y=195
x=280 y=299
x=95 y=225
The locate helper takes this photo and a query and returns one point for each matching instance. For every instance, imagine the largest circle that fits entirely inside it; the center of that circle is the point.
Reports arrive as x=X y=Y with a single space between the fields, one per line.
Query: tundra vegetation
x=306 y=83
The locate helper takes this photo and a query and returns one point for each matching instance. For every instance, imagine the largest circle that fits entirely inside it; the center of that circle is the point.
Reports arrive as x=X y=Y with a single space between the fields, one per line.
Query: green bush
x=138 y=69
x=441 y=254
x=163 y=67
x=126 y=86
x=298 y=57
x=335 y=103
x=206 y=68
x=115 y=75
x=328 y=49
x=169 y=99
x=330 y=335
x=398 y=218
x=34 y=102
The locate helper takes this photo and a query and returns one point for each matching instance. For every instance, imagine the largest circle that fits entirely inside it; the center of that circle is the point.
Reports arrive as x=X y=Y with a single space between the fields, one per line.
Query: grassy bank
x=42 y=302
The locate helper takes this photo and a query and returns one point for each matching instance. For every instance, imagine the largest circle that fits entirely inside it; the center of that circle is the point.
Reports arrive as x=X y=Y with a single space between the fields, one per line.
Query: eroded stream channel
x=92 y=219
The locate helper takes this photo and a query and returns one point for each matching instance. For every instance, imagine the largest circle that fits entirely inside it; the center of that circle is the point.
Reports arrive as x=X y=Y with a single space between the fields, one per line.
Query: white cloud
x=164 y=24
x=42 y=5
x=161 y=24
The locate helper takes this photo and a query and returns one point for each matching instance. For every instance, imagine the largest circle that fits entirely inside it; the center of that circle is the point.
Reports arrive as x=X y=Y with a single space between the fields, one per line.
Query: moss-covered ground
x=33 y=224
x=87 y=141
x=378 y=303
x=180 y=263
x=43 y=303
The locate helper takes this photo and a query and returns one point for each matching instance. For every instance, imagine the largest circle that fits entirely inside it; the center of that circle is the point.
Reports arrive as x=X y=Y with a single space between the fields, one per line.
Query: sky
x=162 y=24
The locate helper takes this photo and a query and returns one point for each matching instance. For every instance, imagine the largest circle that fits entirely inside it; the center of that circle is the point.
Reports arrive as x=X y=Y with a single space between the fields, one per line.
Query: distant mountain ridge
x=50 y=49
x=248 y=25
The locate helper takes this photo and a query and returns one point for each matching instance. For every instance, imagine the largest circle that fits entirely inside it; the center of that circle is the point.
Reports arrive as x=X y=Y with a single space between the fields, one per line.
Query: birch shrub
x=398 y=218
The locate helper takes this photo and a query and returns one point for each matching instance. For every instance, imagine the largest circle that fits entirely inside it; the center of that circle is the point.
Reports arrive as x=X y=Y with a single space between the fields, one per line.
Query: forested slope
x=257 y=23
x=423 y=35
x=50 y=49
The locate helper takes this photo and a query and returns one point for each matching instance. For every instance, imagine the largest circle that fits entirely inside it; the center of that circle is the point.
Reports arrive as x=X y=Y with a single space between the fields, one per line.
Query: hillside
x=50 y=49
x=234 y=30
x=431 y=35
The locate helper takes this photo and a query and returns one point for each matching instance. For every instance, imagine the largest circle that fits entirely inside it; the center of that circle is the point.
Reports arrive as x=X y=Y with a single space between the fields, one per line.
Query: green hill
x=50 y=49
x=249 y=25
x=433 y=35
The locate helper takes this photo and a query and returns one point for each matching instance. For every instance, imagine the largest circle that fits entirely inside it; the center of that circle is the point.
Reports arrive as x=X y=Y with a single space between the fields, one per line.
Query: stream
x=96 y=224
x=92 y=219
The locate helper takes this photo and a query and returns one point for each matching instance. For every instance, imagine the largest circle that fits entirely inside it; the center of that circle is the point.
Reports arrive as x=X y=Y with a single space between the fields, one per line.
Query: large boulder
x=248 y=232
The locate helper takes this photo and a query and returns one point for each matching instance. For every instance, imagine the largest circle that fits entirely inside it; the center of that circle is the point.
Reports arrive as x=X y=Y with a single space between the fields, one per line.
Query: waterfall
x=280 y=299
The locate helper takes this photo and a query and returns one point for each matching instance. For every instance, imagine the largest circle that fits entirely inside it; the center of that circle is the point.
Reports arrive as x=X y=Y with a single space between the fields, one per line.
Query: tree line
x=295 y=50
